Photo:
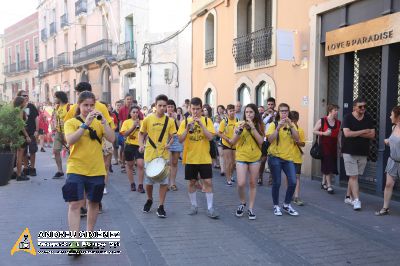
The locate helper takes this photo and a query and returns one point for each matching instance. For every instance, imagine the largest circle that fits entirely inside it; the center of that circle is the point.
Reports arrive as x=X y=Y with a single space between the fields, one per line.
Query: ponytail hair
x=84 y=95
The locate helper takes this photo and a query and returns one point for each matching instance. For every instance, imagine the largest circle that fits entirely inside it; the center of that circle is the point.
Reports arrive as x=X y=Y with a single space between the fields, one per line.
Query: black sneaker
x=251 y=214
x=58 y=175
x=240 y=210
x=110 y=169
x=133 y=187
x=83 y=211
x=147 y=205
x=26 y=171
x=100 y=207
x=289 y=210
x=22 y=178
x=32 y=172
x=161 y=212
x=42 y=150
x=14 y=175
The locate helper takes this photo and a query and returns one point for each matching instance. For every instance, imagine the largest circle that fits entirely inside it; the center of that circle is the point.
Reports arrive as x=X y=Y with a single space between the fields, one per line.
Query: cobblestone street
x=327 y=232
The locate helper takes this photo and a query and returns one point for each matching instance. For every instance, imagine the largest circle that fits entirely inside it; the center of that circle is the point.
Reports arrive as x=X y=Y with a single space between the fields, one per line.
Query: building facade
x=154 y=56
x=3 y=96
x=21 y=45
x=78 y=42
x=355 y=52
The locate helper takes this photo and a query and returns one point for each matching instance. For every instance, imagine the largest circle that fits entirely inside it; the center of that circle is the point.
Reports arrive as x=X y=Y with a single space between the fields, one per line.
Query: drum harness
x=161 y=135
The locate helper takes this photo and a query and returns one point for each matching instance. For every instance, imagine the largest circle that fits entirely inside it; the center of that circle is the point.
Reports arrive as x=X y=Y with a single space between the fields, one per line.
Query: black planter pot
x=6 y=166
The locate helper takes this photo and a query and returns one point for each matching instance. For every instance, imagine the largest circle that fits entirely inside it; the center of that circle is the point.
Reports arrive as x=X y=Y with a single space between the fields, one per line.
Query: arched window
x=244 y=95
x=263 y=91
x=209 y=97
x=209 y=39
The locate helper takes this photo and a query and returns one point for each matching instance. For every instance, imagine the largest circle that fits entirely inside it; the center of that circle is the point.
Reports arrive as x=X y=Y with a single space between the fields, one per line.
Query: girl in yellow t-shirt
x=282 y=134
x=248 y=138
x=130 y=130
x=85 y=165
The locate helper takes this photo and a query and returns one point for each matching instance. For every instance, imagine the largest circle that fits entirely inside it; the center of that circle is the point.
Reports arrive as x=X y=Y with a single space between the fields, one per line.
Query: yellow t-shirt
x=247 y=149
x=227 y=129
x=284 y=149
x=133 y=138
x=98 y=106
x=153 y=125
x=297 y=156
x=86 y=155
x=61 y=111
x=196 y=148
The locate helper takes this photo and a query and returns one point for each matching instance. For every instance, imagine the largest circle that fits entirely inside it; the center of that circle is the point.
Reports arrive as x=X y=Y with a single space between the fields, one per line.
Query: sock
x=209 y=197
x=193 y=199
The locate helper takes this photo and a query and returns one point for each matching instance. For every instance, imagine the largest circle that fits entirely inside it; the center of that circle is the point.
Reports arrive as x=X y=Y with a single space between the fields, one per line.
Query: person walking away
x=393 y=162
x=175 y=147
x=151 y=130
x=328 y=130
x=43 y=129
x=85 y=165
x=281 y=134
x=115 y=113
x=130 y=130
x=21 y=102
x=297 y=155
x=358 y=130
x=248 y=138
x=196 y=133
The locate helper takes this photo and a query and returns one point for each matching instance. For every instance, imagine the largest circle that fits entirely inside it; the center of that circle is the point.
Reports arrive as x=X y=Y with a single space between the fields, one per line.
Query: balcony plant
x=11 y=125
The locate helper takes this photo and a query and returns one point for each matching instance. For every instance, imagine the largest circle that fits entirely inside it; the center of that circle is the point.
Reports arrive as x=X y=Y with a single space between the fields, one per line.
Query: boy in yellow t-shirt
x=297 y=156
x=226 y=130
x=130 y=130
x=196 y=133
x=152 y=128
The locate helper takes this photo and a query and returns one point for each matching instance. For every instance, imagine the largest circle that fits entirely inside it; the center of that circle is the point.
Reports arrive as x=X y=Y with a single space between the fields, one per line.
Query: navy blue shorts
x=76 y=185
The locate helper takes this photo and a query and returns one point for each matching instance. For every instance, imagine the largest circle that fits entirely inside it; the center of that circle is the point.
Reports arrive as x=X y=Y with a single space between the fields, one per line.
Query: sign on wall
x=376 y=32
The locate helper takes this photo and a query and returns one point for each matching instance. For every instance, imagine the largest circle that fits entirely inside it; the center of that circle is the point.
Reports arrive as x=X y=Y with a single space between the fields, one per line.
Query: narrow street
x=327 y=232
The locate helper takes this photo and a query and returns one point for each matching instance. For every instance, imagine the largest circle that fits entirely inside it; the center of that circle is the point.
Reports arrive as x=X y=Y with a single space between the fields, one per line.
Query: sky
x=13 y=11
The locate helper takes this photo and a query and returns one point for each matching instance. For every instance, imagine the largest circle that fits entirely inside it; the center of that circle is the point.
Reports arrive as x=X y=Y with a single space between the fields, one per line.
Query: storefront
x=357 y=53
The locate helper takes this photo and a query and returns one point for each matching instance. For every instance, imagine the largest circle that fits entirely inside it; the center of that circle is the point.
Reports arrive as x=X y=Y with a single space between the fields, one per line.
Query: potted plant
x=11 y=124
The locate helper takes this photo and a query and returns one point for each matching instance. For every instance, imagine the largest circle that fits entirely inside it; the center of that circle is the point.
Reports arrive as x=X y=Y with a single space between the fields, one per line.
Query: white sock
x=209 y=197
x=193 y=199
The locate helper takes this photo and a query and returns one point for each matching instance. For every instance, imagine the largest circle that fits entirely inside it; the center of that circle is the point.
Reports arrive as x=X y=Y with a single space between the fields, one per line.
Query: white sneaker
x=105 y=190
x=348 y=201
x=277 y=211
x=356 y=205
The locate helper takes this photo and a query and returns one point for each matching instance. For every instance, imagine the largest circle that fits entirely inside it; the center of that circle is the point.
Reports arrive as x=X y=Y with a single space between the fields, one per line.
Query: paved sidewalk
x=327 y=232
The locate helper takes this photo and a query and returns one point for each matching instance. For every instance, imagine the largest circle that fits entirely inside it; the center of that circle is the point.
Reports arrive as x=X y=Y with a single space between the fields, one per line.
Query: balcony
x=93 y=52
x=80 y=7
x=209 y=56
x=126 y=55
x=255 y=47
x=43 y=35
x=63 y=60
x=52 y=29
x=16 y=68
x=64 y=21
x=50 y=64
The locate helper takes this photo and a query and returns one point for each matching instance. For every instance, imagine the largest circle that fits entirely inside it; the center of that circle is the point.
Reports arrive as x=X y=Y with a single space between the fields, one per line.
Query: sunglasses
x=26 y=96
x=283 y=111
x=362 y=106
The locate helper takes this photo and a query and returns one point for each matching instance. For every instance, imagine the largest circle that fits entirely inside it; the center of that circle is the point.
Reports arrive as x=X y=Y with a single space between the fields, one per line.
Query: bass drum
x=157 y=170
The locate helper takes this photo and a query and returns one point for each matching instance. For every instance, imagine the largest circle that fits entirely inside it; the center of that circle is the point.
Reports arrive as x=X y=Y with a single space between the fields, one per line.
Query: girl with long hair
x=248 y=138
x=21 y=102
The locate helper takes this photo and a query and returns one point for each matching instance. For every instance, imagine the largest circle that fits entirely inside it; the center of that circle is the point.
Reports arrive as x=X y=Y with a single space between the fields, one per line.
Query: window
x=209 y=97
x=27 y=53
x=263 y=93
x=17 y=56
x=244 y=95
x=209 y=39
x=36 y=48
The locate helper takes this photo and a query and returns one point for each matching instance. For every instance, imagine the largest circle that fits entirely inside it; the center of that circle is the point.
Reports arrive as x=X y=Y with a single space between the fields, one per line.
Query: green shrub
x=11 y=124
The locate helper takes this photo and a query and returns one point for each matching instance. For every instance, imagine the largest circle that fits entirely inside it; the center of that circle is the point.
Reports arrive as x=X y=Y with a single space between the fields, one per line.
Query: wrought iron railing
x=63 y=59
x=256 y=46
x=64 y=20
x=16 y=67
x=42 y=68
x=80 y=7
x=98 y=49
x=209 y=56
x=126 y=51
x=43 y=34
x=52 y=29
x=50 y=64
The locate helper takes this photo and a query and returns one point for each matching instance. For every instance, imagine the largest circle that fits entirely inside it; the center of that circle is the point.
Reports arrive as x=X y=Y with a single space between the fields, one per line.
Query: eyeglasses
x=362 y=106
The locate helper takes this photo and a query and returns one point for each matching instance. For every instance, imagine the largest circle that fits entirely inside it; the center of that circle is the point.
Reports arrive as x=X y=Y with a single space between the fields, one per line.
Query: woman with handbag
x=328 y=129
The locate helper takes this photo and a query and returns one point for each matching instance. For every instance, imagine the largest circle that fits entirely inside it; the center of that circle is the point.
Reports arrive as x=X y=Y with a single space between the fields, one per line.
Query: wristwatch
x=84 y=126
